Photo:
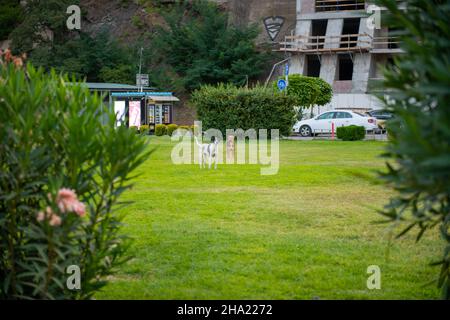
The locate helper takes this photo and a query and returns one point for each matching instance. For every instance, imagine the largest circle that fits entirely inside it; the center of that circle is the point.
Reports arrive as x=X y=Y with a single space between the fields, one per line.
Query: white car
x=323 y=123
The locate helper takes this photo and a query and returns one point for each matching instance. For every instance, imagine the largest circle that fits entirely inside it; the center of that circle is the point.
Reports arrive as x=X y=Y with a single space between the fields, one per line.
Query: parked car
x=323 y=122
x=380 y=114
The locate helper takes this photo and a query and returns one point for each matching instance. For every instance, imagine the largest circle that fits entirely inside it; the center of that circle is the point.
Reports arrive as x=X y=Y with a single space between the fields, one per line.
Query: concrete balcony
x=341 y=43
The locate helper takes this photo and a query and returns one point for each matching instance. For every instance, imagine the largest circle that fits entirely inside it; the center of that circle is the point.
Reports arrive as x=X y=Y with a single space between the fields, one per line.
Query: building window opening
x=393 y=38
x=350 y=27
x=345 y=68
x=312 y=66
x=318 y=32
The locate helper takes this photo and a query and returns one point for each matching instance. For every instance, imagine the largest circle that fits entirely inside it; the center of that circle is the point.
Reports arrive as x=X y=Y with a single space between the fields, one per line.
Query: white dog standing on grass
x=207 y=152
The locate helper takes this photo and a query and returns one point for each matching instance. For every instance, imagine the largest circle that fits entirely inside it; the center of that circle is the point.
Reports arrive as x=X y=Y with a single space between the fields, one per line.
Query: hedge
x=187 y=128
x=144 y=129
x=351 y=133
x=228 y=107
x=171 y=128
x=160 y=130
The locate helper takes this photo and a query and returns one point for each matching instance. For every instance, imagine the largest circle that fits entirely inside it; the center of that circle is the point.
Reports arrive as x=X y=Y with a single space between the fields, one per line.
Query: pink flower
x=55 y=220
x=40 y=216
x=66 y=200
x=67 y=194
x=18 y=62
x=79 y=208
x=67 y=205
x=8 y=55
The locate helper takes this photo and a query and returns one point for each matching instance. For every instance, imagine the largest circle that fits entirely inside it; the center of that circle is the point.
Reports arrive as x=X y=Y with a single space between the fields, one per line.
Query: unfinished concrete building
x=334 y=40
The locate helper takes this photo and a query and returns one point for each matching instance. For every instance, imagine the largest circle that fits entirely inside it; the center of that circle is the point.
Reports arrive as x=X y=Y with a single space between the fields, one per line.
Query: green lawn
x=309 y=231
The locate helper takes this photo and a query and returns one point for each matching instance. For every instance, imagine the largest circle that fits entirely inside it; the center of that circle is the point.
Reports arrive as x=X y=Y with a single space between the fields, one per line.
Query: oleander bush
x=351 y=133
x=62 y=174
x=160 y=130
x=419 y=148
x=171 y=128
x=229 y=107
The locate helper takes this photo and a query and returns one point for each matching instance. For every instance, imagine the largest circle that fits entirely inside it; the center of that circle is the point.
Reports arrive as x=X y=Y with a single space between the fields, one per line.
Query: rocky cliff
x=127 y=19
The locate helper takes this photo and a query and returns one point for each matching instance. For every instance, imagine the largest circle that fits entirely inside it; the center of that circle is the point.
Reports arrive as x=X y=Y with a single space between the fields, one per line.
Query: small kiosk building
x=136 y=106
x=144 y=108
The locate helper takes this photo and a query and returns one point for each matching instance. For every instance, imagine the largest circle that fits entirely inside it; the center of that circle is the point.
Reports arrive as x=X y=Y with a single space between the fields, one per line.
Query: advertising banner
x=119 y=110
x=135 y=114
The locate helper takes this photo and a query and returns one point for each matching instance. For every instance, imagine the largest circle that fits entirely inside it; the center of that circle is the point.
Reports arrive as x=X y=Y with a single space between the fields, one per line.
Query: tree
x=202 y=48
x=40 y=19
x=95 y=58
x=326 y=92
x=419 y=149
x=308 y=91
x=11 y=14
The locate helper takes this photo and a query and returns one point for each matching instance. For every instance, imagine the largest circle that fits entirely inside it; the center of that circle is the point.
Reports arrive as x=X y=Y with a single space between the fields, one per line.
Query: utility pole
x=140 y=68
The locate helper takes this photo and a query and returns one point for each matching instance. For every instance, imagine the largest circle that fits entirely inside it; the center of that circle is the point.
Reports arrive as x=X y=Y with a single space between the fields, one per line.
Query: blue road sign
x=281 y=84
x=287 y=70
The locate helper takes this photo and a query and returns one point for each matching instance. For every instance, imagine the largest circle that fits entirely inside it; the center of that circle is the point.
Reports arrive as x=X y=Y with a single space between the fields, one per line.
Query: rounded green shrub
x=351 y=133
x=308 y=91
x=171 y=128
x=160 y=130
x=144 y=129
x=188 y=128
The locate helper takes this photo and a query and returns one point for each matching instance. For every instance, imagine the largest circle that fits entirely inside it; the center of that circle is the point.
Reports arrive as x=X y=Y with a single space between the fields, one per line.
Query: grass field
x=310 y=231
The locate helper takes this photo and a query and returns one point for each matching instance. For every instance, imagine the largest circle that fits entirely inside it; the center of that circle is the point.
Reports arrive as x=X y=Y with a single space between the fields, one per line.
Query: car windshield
x=361 y=114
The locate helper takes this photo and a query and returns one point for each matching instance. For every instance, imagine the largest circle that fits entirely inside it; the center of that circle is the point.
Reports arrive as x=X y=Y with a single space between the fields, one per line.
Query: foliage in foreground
x=61 y=175
x=420 y=133
x=228 y=107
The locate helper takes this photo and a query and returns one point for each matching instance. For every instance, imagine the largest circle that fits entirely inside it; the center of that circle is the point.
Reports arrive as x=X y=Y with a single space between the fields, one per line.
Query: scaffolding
x=361 y=42
x=339 y=5
x=386 y=44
